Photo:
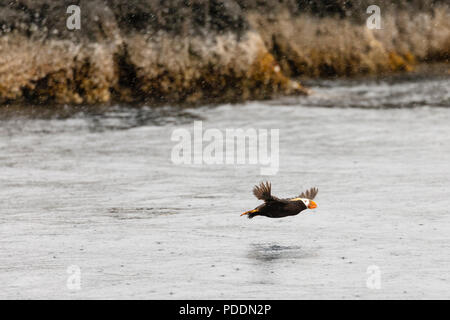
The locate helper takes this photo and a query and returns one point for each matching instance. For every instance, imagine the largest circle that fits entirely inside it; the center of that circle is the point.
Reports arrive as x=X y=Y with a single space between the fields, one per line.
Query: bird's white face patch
x=305 y=201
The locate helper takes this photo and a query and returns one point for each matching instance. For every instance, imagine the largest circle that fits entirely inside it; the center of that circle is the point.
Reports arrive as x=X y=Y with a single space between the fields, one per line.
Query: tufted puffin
x=274 y=207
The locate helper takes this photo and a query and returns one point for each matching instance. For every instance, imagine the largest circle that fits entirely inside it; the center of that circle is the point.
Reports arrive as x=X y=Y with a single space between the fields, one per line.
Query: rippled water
x=97 y=189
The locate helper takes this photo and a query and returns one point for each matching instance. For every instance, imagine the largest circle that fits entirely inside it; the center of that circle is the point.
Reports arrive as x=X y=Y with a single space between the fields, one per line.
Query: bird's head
x=307 y=202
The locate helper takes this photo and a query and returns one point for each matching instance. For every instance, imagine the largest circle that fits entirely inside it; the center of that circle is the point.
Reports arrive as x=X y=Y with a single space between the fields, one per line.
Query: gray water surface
x=98 y=190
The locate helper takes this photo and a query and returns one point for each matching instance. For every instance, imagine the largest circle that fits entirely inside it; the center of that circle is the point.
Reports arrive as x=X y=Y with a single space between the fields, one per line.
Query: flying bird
x=274 y=207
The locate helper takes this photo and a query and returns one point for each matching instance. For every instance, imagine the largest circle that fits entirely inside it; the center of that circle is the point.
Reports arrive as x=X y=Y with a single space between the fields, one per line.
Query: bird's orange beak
x=312 y=205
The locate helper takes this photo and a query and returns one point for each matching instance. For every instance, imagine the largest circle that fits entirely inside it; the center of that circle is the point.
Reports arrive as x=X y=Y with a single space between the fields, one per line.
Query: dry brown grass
x=306 y=45
x=141 y=68
x=189 y=69
x=55 y=71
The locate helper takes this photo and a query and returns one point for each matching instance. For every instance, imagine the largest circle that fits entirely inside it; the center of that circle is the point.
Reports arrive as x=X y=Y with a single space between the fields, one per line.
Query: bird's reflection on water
x=271 y=252
x=269 y=257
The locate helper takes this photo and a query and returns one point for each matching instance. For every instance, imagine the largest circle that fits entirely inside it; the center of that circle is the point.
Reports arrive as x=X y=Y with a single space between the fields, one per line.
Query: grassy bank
x=205 y=51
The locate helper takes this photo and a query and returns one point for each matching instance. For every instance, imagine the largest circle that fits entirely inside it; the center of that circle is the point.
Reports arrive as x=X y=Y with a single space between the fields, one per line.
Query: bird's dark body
x=279 y=208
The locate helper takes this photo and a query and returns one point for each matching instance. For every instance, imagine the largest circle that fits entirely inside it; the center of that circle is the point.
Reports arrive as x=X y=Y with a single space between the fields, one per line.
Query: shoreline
x=64 y=111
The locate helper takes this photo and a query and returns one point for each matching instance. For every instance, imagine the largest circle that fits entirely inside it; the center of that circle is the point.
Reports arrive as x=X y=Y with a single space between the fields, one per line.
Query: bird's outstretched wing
x=309 y=194
x=263 y=192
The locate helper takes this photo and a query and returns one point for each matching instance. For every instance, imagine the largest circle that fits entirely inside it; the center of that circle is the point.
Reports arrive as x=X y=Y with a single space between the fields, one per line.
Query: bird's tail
x=250 y=214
